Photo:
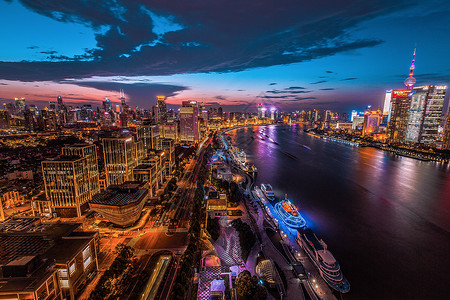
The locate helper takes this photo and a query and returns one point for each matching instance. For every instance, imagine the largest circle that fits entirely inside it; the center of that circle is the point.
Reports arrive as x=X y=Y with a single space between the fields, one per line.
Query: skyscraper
x=425 y=114
x=120 y=155
x=148 y=134
x=67 y=185
x=259 y=109
x=20 y=105
x=189 y=129
x=88 y=151
x=446 y=139
x=161 y=103
x=399 y=114
x=387 y=102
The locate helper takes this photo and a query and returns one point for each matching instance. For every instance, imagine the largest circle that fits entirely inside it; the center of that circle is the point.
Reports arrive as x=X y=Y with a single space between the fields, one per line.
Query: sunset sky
x=332 y=54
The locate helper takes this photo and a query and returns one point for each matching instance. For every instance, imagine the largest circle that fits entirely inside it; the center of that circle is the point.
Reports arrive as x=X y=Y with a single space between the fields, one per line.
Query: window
x=64 y=283
x=72 y=268
x=86 y=252
x=62 y=272
x=87 y=262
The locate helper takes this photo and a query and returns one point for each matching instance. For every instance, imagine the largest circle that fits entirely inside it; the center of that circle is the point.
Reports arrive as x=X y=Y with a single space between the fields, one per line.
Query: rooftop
x=120 y=195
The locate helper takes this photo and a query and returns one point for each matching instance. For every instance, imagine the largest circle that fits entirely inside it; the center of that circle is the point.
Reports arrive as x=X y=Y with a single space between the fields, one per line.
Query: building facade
x=66 y=184
x=189 y=127
x=120 y=156
x=398 y=116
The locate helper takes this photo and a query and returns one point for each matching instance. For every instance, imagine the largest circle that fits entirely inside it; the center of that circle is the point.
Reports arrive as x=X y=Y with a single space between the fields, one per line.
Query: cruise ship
x=323 y=259
x=268 y=191
x=289 y=214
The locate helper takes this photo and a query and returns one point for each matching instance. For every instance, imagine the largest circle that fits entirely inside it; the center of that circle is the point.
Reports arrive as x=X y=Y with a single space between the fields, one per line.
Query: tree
x=260 y=293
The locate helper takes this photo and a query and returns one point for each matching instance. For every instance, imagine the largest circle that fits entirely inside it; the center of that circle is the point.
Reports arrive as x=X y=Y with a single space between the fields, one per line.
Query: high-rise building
x=148 y=135
x=372 y=121
x=425 y=114
x=259 y=109
x=398 y=117
x=446 y=137
x=123 y=101
x=4 y=119
x=169 y=130
x=189 y=129
x=120 y=156
x=107 y=105
x=161 y=103
x=88 y=151
x=67 y=185
x=20 y=105
x=387 y=102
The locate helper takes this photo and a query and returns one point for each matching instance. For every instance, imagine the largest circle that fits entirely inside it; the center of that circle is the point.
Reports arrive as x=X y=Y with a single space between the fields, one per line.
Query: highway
x=155 y=279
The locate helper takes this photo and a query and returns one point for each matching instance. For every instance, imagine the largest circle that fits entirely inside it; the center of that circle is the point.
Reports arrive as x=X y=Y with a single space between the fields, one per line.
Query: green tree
x=246 y=284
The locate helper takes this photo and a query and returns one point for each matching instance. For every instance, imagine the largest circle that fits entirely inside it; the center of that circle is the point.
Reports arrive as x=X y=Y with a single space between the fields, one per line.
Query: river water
x=386 y=219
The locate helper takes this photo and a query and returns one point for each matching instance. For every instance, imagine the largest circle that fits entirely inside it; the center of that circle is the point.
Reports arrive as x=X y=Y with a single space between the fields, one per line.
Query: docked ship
x=289 y=214
x=323 y=260
x=268 y=191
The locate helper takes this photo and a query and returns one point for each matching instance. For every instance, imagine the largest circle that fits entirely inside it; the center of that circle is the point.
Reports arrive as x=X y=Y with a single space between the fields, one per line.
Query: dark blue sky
x=290 y=54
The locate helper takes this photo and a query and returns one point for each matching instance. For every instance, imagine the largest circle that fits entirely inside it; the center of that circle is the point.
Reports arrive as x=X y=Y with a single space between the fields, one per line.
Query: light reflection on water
x=385 y=218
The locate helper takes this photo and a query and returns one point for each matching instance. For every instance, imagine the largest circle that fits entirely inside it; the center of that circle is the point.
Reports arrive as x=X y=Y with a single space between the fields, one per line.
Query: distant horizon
x=337 y=55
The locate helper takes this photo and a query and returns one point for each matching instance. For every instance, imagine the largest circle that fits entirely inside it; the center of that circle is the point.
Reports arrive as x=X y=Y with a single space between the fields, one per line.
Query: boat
x=268 y=191
x=322 y=258
x=289 y=214
x=306 y=147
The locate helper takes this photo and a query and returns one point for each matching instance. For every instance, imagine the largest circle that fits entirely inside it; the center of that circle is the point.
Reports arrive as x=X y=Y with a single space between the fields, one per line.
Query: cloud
x=327 y=89
x=272 y=83
x=32 y=47
x=349 y=78
x=172 y=37
x=50 y=52
x=138 y=94
x=329 y=72
x=1 y=83
x=318 y=82
x=295 y=88
x=219 y=97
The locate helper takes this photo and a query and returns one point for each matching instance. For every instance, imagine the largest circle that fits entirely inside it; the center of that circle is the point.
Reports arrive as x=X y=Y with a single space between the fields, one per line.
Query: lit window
x=72 y=268
x=64 y=283
x=62 y=272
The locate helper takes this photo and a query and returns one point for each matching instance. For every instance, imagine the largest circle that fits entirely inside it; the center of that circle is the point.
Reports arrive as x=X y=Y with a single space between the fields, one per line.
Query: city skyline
x=283 y=55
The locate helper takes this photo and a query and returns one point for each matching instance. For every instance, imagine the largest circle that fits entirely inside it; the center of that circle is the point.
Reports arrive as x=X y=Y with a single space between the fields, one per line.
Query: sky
x=292 y=55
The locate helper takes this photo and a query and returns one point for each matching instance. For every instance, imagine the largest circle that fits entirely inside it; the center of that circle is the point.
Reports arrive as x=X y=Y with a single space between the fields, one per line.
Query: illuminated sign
x=400 y=93
x=441 y=87
x=128 y=140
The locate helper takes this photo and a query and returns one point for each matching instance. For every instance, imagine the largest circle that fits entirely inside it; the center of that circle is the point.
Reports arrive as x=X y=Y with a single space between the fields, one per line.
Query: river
x=385 y=218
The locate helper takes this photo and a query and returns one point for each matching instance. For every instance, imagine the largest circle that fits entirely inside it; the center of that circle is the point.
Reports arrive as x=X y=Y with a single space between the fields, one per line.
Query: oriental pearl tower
x=410 y=81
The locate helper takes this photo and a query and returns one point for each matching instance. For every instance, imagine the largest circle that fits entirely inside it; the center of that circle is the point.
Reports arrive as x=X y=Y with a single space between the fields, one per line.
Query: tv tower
x=410 y=81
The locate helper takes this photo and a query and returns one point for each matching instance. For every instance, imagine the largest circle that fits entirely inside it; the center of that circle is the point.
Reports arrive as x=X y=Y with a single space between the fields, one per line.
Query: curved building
x=121 y=204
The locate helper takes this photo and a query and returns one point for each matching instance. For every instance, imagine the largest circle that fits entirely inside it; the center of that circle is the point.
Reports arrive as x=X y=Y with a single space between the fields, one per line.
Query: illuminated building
x=354 y=114
x=272 y=113
x=168 y=147
x=189 y=128
x=4 y=119
x=387 y=102
x=107 y=104
x=151 y=172
x=169 y=130
x=161 y=103
x=88 y=151
x=122 y=98
x=425 y=114
x=120 y=156
x=259 y=109
x=357 y=123
x=20 y=104
x=446 y=138
x=66 y=184
x=148 y=134
x=372 y=121
x=121 y=204
x=45 y=261
x=398 y=120
x=263 y=112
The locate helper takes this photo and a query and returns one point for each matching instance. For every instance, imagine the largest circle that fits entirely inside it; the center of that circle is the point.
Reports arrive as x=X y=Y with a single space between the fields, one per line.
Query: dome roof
x=410 y=81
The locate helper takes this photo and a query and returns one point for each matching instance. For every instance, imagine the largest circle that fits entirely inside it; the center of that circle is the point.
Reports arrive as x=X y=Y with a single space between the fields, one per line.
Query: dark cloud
x=240 y=90
x=327 y=89
x=139 y=94
x=432 y=78
x=320 y=81
x=275 y=97
x=50 y=52
x=32 y=47
x=272 y=83
x=220 y=97
x=217 y=36
x=295 y=88
x=329 y=72
x=1 y=83
x=349 y=78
